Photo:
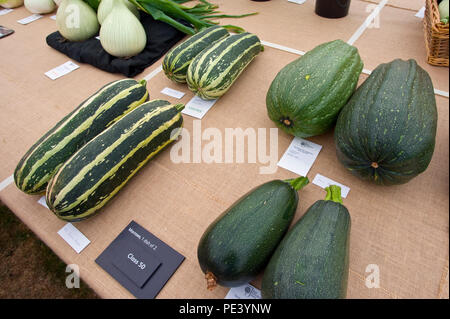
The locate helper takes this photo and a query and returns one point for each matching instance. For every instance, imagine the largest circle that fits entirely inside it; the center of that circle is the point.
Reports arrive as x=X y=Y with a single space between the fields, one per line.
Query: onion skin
x=122 y=34
x=106 y=7
x=12 y=4
x=76 y=20
x=40 y=6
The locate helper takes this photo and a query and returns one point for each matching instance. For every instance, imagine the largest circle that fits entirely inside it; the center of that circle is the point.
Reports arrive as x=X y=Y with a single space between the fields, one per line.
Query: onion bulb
x=40 y=6
x=443 y=11
x=11 y=4
x=106 y=6
x=76 y=20
x=122 y=34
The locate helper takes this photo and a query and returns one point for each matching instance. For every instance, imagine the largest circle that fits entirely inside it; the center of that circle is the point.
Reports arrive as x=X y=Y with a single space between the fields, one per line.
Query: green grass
x=28 y=268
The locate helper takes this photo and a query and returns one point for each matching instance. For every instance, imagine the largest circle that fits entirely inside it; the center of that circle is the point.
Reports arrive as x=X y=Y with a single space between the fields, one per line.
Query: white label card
x=197 y=107
x=300 y=156
x=30 y=19
x=6 y=182
x=53 y=17
x=244 y=292
x=173 y=93
x=61 y=70
x=43 y=202
x=297 y=1
x=97 y=37
x=5 y=11
x=421 y=13
x=324 y=182
x=74 y=237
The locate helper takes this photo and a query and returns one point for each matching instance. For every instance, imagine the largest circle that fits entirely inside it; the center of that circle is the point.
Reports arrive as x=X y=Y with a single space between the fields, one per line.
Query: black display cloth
x=160 y=38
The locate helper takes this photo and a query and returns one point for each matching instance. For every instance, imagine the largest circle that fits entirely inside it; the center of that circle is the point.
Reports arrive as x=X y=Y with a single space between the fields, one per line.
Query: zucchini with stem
x=239 y=243
x=312 y=260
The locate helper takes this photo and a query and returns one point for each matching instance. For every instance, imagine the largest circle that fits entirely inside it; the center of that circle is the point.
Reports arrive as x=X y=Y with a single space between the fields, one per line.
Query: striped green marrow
x=90 y=118
x=312 y=260
x=215 y=69
x=386 y=133
x=177 y=61
x=93 y=175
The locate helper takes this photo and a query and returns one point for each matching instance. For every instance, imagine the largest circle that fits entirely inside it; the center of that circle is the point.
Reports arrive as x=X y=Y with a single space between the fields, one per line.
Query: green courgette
x=311 y=261
x=239 y=243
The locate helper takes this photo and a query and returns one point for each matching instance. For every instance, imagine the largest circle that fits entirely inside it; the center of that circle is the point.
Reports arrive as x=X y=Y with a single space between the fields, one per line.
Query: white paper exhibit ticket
x=74 y=237
x=197 y=107
x=297 y=1
x=300 y=156
x=244 y=292
x=6 y=182
x=324 y=182
x=61 y=70
x=43 y=202
x=30 y=19
x=5 y=11
x=173 y=93
x=421 y=13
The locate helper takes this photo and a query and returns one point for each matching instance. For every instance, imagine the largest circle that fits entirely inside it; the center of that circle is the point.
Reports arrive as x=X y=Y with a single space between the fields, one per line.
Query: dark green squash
x=306 y=96
x=312 y=260
x=239 y=243
x=386 y=133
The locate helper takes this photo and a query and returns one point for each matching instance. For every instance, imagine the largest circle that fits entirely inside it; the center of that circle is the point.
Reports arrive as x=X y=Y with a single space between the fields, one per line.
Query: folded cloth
x=160 y=38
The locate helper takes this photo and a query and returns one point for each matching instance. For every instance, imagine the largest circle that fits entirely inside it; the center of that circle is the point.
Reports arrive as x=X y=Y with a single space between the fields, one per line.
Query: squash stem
x=211 y=281
x=334 y=194
x=298 y=183
x=179 y=107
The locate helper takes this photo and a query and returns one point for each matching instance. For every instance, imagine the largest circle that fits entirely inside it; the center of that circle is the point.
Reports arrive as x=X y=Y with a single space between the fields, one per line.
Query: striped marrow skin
x=306 y=96
x=386 y=133
x=93 y=175
x=91 y=117
x=177 y=61
x=215 y=69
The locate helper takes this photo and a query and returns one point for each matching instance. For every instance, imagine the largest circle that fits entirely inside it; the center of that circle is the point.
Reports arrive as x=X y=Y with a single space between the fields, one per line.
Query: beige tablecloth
x=401 y=229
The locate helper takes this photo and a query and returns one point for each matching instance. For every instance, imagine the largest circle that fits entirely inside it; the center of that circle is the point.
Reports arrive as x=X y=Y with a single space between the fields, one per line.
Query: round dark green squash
x=386 y=133
x=238 y=244
x=312 y=260
x=306 y=96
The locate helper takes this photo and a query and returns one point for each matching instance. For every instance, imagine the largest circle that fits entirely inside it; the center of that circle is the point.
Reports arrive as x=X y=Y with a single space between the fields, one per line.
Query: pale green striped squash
x=177 y=60
x=215 y=69
x=93 y=175
x=90 y=118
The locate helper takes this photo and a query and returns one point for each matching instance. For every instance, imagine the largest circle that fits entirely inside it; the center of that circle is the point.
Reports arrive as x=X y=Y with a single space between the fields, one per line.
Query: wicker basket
x=436 y=35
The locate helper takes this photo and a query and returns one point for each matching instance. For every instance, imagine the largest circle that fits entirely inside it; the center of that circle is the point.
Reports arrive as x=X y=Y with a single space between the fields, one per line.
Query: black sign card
x=136 y=262
x=140 y=261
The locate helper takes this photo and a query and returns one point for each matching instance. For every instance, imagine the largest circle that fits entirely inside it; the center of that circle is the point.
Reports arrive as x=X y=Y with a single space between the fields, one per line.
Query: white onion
x=106 y=6
x=122 y=34
x=444 y=11
x=76 y=20
x=40 y=6
x=12 y=4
